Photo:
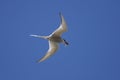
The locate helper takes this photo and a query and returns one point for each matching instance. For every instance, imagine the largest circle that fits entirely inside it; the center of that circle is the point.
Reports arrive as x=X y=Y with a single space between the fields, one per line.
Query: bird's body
x=54 y=39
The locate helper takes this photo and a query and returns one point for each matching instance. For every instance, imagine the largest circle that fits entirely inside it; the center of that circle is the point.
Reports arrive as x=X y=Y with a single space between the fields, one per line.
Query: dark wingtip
x=60 y=13
x=37 y=61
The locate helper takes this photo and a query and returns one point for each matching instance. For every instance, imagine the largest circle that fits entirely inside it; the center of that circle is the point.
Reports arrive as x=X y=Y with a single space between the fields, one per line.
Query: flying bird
x=54 y=39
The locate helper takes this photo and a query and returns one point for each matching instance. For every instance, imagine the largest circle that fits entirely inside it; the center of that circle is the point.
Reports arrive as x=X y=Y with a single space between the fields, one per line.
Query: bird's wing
x=62 y=28
x=53 y=46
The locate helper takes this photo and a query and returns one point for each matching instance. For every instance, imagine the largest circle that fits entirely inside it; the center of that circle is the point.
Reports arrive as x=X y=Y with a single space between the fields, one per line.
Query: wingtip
x=61 y=16
x=60 y=13
x=39 y=61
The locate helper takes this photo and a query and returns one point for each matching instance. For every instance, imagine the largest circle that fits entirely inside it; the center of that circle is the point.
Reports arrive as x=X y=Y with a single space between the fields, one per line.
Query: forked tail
x=44 y=37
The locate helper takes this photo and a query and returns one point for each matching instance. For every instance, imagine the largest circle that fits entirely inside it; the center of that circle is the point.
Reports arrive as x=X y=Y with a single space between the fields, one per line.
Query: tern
x=54 y=39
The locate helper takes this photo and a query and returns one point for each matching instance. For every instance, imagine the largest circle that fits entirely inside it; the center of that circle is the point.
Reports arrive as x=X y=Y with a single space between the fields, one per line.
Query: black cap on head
x=66 y=42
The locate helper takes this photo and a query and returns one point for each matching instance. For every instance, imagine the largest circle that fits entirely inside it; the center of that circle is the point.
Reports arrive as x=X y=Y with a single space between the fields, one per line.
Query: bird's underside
x=54 y=39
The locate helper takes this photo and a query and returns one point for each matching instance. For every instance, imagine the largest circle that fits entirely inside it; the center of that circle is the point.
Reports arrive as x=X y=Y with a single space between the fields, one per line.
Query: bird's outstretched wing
x=62 y=28
x=53 y=46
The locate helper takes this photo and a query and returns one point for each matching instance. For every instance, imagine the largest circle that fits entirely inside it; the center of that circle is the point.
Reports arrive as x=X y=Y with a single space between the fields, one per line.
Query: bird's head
x=65 y=42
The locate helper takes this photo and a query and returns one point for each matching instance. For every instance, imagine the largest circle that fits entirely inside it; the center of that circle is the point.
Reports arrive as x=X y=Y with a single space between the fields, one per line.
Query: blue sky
x=93 y=34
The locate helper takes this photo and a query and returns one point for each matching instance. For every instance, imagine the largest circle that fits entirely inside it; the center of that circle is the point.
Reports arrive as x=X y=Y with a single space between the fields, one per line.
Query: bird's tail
x=44 y=37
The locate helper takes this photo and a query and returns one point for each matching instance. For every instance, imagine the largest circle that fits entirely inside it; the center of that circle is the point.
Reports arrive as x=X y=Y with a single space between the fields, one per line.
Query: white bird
x=54 y=39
